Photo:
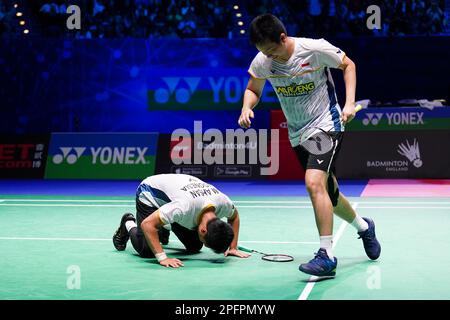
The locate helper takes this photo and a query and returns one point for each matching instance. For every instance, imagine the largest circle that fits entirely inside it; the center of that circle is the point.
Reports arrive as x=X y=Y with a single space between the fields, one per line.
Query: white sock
x=326 y=242
x=360 y=224
x=130 y=224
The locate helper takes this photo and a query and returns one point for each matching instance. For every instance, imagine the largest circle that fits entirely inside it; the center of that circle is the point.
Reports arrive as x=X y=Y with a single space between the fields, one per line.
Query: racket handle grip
x=358 y=107
x=245 y=249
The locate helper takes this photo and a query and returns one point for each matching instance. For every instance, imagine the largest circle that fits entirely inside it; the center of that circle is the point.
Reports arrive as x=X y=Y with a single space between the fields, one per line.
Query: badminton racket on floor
x=318 y=141
x=274 y=257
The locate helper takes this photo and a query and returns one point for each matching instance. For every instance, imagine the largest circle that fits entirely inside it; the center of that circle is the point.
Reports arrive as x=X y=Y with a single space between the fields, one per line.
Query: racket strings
x=278 y=257
x=275 y=257
x=319 y=142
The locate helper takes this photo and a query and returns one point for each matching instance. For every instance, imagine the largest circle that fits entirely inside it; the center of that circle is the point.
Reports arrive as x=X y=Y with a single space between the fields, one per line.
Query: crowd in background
x=348 y=18
x=142 y=18
x=217 y=18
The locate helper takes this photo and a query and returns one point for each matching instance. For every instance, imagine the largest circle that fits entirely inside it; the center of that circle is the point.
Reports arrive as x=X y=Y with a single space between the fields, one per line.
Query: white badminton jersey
x=181 y=198
x=304 y=85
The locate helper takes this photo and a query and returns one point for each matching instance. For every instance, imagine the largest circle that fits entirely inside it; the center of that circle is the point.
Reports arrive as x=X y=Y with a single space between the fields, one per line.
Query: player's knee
x=314 y=186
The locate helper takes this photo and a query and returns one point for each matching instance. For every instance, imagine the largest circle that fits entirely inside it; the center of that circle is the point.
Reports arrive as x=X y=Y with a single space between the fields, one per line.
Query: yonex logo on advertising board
x=182 y=95
x=103 y=155
x=221 y=92
x=64 y=155
x=227 y=89
x=394 y=118
x=408 y=118
x=372 y=118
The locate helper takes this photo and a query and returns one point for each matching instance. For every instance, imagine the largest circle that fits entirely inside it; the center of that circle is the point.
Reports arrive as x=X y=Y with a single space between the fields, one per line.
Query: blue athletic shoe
x=320 y=266
x=371 y=244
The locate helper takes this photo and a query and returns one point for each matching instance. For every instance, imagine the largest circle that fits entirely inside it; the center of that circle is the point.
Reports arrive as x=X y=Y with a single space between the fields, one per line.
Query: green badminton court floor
x=60 y=248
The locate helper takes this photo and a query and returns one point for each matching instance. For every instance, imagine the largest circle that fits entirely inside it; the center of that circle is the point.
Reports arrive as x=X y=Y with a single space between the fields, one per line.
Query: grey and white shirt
x=304 y=85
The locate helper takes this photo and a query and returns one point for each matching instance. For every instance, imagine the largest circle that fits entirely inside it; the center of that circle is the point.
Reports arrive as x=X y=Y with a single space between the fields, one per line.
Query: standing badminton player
x=191 y=208
x=298 y=69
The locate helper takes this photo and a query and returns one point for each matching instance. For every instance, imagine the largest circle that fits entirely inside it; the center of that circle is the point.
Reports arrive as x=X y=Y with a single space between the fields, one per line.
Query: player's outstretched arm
x=233 y=251
x=150 y=227
x=349 y=68
x=251 y=98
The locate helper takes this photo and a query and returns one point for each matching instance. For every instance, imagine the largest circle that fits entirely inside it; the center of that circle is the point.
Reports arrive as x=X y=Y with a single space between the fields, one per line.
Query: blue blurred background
x=157 y=65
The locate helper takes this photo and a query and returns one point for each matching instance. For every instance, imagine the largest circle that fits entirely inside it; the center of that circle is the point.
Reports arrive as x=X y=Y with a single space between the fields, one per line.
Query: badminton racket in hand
x=318 y=141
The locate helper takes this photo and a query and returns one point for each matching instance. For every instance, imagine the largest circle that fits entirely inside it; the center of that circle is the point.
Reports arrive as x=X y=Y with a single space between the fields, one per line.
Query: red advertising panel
x=290 y=168
x=23 y=156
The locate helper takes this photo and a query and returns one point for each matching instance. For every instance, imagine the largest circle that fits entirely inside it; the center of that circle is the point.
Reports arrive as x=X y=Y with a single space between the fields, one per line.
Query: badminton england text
x=226 y=309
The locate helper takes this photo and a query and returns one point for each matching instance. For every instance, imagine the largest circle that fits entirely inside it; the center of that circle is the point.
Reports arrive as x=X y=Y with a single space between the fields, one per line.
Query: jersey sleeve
x=327 y=54
x=225 y=208
x=256 y=69
x=173 y=212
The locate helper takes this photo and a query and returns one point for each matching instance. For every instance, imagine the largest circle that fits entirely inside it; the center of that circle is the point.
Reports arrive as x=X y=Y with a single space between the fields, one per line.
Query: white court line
x=312 y=280
x=397 y=207
x=280 y=242
x=236 y=201
x=65 y=200
x=126 y=205
x=403 y=202
x=104 y=239
x=360 y=207
x=359 y=201
x=277 y=207
x=260 y=207
x=64 y=205
x=268 y=201
x=53 y=239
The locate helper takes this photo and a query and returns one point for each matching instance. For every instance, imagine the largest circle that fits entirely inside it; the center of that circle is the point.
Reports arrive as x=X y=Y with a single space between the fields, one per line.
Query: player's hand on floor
x=236 y=253
x=169 y=262
x=244 y=119
x=348 y=113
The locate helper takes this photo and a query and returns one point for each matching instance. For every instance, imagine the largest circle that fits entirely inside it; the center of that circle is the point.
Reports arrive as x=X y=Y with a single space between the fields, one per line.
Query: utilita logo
x=102 y=155
x=411 y=151
x=394 y=118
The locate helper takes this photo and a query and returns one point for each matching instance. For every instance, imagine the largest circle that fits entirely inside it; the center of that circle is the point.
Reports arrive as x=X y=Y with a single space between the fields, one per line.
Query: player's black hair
x=266 y=28
x=219 y=235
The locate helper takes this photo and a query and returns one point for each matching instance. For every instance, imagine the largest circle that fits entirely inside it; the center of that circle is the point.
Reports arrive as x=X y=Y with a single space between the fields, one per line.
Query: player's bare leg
x=343 y=209
x=316 y=184
x=364 y=226
x=324 y=263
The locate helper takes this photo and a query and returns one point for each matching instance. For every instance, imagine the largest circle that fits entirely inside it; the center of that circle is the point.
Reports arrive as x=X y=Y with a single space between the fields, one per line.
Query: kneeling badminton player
x=298 y=69
x=190 y=208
